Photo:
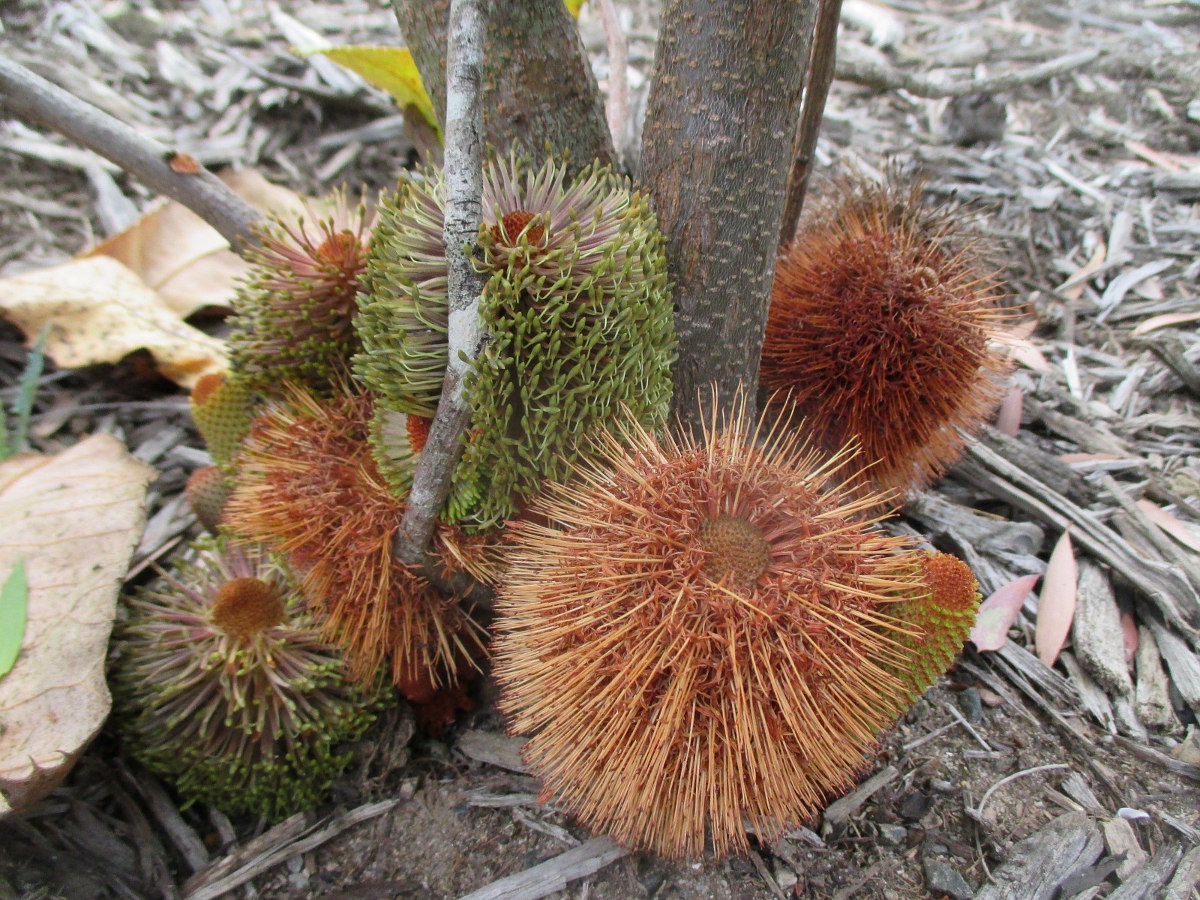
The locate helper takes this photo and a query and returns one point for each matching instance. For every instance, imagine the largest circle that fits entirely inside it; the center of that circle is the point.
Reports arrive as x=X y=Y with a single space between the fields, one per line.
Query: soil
x=1078 y=149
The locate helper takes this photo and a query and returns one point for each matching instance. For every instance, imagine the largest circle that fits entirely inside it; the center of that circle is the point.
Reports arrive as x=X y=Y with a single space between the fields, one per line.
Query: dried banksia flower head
x=700 y=634
x=225 y=688
x=577 y=305
x=222 y=410
x=882 y=326
x=309 y=488
x=296 y=307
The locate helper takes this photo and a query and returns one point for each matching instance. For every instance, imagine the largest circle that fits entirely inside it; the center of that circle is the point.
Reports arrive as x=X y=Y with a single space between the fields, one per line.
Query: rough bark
x=720 y=125
x=538 y=87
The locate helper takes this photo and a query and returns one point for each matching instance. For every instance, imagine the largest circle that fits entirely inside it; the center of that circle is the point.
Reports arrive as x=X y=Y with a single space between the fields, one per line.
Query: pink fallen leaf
x=1008 y=417
x=1073 y=458
x=1129 y=635
x=1171 y=525
x=1056 y=605
x=997 y=613
x=1164 y=321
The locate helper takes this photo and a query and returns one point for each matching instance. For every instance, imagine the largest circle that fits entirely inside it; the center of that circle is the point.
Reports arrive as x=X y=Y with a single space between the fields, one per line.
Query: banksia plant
x=577 y=306
x=700 y=634
x=296 y=306
x=207 y=490
x=222 y=410
x=881 y=328
x=224 y=686
x=308 y=487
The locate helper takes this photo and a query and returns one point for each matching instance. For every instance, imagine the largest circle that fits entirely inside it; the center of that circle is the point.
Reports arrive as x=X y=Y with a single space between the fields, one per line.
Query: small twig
x=554 y=874
x=962 y=720
x=816 y=92
x=977 y=812
x=464 y=205
x=36 y=100
x=616 y=107
x=865 y=72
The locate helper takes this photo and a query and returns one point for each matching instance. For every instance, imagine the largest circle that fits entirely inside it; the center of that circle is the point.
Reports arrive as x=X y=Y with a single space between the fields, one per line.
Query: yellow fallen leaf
x=182 y=257
x=74 y=519
x=100 y=312
x=391 y=69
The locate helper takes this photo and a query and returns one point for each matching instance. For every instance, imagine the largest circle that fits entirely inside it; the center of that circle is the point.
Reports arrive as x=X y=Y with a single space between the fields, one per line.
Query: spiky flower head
x=882 y=327
x=701 y=634
x=296 y=307
x=309 y=488
x=207 y=490
x=222 y=410
x=224 y=686
x=577 y=305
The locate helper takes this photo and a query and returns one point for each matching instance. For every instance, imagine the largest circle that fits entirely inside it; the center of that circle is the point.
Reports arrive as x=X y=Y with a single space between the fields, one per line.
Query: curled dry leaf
x=997 y=613
x=100 y=312
x=1056 y=605
x=74 y=519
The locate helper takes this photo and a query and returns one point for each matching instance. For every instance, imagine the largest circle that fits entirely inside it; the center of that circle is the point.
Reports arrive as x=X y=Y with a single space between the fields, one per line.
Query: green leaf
x=23 y=408
x=390 y=68
x=573 y=6
x=13 y=598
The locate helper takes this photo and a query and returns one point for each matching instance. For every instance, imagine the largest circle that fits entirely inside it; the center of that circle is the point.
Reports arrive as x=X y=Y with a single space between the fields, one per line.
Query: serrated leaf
x=997 y=613
x=1056 y=605
x=14 y=597
x=391 y=69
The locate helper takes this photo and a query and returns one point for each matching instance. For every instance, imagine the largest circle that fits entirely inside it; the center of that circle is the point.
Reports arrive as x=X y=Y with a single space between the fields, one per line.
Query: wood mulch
x=1072 y=130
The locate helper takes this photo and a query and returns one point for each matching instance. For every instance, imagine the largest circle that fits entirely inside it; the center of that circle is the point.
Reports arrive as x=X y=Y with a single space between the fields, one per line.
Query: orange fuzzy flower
x=881 y=328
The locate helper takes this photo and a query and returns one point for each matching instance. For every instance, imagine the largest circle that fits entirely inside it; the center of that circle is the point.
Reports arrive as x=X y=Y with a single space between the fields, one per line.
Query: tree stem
x=39 y=102
x=464 y=207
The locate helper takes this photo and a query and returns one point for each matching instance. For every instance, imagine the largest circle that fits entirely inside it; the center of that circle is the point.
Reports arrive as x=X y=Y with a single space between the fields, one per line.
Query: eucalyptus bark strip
x=538 y=87
x=39 y=102
x=720 y=126
x=464 y=207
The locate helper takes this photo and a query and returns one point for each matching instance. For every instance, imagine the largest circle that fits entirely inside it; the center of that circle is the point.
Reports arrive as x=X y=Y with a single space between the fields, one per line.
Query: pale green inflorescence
x=578 y=308
x=239 y=708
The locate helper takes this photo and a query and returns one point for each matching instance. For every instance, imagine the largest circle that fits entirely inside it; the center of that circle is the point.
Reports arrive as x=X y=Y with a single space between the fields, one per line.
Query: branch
x=617 y=106
x=36 y=100
x=816 y=92
x=464 y=207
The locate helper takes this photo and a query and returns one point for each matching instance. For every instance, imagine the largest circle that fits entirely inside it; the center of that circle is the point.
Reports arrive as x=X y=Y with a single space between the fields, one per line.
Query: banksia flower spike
x=225 y=688
x=309 y=488
x=881 y=328
x=206 y=491
x=222 y=410
x=577 y=306
x=296 y=307
x=702 y=634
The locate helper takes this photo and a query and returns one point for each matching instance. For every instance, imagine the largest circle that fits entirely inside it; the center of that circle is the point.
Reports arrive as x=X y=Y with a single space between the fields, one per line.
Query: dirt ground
x=1107 y=146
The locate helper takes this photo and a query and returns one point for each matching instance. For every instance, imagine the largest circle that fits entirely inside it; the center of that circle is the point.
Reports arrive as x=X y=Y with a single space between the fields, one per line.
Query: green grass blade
x=14 y=597
x=23 y=408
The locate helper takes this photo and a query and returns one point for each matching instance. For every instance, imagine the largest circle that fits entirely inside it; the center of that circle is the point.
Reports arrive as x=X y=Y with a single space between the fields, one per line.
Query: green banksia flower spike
x=206 y=491
x=224 y=687
x=222 y=410
x=577 y=306
x=296 y=307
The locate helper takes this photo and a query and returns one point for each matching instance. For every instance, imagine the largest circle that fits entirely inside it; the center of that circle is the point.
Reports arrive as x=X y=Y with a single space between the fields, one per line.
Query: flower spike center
x=418 y=431
x=736 y=550
x=509 y=228
x=951 y=584
x=246 y=607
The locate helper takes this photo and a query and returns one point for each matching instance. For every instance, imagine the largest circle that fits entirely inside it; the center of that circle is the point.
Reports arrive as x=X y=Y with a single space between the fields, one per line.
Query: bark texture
x=538 y=87
x=717 y=149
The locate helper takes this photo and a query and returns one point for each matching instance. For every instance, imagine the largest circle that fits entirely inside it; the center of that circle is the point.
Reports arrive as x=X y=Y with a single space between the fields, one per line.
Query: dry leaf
x=1008 y=417
x=1164 y=321
x=182 y=257
x=1073 y=287
x=997 y=613
x=100 y=312
x=1171 y=525
x=75 y=519
x=1129 y=635
x=1056 y=605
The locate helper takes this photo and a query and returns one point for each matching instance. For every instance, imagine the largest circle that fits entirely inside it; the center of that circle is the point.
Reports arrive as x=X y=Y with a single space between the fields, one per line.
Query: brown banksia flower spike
x=309 y=488
x=703 y=633
x=882 y=328
x=222 y=410
x=296 y=307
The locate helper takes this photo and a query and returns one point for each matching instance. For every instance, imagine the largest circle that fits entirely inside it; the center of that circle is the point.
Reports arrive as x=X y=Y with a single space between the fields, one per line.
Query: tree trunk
x=717 y=147
x=538 y=87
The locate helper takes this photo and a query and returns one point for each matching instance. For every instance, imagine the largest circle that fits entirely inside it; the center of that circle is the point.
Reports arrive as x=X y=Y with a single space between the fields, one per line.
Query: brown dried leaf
x=74 y=519
x=1056 y=605
x=182 y=257
x=100 y=312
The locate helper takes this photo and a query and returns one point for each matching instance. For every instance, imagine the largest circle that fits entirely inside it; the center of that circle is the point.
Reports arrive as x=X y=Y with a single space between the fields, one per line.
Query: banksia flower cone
x=701 y=634
x=309 y=488
x=296 y=307
x=222 y=410
x=880 y=328
x=224 y=686
x=206 y=491
x=577 y=306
